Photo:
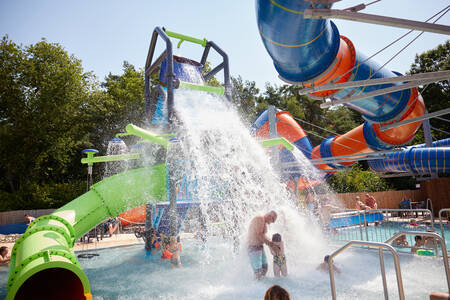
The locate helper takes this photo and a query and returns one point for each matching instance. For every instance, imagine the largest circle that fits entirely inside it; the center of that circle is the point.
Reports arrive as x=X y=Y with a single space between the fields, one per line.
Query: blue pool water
x=384 y=231
x=216 y=273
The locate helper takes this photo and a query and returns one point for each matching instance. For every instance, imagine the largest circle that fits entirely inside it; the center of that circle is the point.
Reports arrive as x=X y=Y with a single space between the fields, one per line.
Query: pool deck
x=121 y=239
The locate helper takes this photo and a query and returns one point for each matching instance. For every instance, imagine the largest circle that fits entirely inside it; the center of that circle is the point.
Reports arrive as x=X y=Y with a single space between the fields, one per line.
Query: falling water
x=115 y=146
x=233 y=170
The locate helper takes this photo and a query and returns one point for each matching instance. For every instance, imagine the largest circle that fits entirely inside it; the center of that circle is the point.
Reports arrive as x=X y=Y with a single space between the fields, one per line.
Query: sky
x=104 y=33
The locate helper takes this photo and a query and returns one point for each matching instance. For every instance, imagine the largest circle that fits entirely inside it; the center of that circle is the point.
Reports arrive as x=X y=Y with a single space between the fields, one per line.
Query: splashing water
x=115 y=147
x=233 y=170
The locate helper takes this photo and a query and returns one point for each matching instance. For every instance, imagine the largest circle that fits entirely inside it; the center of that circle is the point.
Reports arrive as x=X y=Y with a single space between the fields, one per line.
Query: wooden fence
x=387 y=199
x=438 y=190
x=17 y=216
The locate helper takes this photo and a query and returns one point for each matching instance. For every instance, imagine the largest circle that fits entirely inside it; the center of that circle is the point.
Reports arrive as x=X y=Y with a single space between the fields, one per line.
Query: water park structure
x=305 y=52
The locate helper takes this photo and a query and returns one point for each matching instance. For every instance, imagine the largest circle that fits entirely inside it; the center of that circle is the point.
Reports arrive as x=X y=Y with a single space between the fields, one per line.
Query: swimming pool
x=383 y=231
x=215 y=272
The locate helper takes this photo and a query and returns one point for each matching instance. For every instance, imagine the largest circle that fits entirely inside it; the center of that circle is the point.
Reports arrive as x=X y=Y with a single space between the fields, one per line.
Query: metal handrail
x=431 y=205
x=366 y=211
x=383 y=274
x=440 y=223
x=433 y=235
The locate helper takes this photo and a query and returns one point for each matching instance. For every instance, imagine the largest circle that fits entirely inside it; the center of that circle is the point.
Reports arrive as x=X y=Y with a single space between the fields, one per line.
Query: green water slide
x=43 y=263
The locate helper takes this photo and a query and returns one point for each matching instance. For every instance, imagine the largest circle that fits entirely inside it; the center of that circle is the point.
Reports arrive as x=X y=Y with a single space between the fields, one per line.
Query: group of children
x=170 y=247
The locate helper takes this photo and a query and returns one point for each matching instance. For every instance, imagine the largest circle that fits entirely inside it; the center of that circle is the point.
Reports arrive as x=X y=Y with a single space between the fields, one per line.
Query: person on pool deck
x=370 y=202
x=325 y=267
x=256 y=240
x=4 y=258
x=29 y=219
x=359 y=205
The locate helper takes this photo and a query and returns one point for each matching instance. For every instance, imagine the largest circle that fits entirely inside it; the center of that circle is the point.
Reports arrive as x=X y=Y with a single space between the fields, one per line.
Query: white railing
x=398 y=272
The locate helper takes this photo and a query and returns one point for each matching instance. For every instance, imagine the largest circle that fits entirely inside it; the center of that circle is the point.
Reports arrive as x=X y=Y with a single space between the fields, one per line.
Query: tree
x=43 y=95
x=123 y=101
x=436 y=95
x=357 y=180
x=244 y=94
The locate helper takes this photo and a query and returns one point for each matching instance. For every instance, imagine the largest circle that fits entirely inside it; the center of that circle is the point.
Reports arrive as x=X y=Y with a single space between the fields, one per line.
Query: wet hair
x=276 y=237
x=274 y=214
x=3 y=248
x=326 y=258
x=418 y=238
x=276 y=292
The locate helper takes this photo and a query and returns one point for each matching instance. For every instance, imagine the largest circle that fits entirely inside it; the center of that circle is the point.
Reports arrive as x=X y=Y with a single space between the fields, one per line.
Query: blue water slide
x=415 y=160
x=304 y=49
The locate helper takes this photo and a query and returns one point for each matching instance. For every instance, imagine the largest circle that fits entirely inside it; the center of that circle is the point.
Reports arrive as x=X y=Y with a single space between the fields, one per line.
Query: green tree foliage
x=50 y=109
x=123 y=101
x=357 y=180
x=436 y=95
x=43 y=95
x=244 y=94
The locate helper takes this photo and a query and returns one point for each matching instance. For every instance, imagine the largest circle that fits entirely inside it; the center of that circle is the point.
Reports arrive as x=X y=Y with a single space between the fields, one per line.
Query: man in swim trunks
x=256 y=240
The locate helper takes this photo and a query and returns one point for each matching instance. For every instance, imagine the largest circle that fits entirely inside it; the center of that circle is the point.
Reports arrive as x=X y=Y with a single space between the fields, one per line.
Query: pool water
x=383 y=232
x=214 y=272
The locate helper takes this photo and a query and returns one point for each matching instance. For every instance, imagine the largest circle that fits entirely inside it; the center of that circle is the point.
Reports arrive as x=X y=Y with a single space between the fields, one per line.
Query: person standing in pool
x=256 y=240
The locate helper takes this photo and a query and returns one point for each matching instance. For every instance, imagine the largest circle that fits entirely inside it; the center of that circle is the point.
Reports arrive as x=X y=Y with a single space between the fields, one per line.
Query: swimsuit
x=279 y=259
x=258 y=259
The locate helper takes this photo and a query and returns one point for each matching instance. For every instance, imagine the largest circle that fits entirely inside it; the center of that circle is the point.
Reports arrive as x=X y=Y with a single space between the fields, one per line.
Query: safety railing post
x=428 y=234
x=441 y=225
x=383 y=274
x=401 y=293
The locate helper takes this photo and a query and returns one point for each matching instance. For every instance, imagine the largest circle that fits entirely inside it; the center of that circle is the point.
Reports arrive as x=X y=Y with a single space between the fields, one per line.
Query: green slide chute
x=43 y=261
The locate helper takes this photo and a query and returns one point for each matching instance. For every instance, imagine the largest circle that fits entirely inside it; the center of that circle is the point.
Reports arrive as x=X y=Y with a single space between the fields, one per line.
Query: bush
x=357 y=180
x=41 y=196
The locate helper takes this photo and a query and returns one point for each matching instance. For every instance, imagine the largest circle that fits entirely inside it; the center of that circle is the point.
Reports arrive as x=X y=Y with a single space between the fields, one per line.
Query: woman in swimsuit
x=279 y=259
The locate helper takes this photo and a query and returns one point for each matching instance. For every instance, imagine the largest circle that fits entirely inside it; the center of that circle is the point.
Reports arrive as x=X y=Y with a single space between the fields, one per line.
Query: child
x=172 y=252
x=279 y=259
x=4 y=258
x=325 y=267
x=400 y=242
x=154 y=241
x=419 y=243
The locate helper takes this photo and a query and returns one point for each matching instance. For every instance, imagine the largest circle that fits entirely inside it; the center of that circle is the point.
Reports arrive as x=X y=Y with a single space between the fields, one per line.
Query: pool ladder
x=386 y=245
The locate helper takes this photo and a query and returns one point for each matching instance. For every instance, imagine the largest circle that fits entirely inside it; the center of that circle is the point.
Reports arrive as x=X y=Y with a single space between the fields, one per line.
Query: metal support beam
x=376 y=93
x=271 y=111
x=427 y=131
x=325 y=13
x=396 y=175
x=421 y=118
x=432 y=76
